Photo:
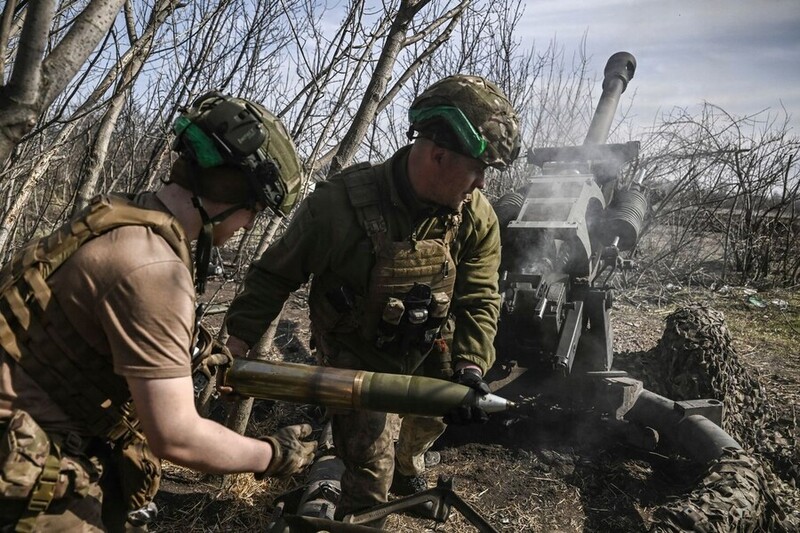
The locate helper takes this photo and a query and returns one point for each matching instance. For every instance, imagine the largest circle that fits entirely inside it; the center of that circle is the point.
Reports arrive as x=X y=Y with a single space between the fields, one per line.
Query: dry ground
x=527 y=477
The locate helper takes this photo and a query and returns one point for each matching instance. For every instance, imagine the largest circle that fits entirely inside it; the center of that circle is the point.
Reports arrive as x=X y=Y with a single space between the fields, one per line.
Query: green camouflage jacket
x=326 y=240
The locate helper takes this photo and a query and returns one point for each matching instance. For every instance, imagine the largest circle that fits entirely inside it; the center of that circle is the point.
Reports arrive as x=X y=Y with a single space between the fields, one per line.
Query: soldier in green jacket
x=404 y=258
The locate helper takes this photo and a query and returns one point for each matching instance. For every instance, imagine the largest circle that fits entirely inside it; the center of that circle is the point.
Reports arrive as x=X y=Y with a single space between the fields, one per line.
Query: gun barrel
x=354 y=389
x=618 y=72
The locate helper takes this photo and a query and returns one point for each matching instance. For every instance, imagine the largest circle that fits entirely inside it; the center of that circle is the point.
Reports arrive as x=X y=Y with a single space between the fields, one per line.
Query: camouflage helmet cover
x=242 y=134
x=486 y=107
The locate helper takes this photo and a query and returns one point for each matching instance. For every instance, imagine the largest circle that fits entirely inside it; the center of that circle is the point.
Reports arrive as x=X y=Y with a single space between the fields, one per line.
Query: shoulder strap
x=361 y=182
x=36 y=332
x=108 y=212
x=103 y=214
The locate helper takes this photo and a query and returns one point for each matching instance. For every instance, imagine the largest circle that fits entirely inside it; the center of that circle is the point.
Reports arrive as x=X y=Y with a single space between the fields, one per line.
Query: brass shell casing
x=353 y=389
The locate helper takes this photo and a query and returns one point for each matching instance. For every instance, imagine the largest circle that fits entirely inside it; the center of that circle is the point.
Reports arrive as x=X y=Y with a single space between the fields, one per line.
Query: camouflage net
x=695 y=359
x=734 y=495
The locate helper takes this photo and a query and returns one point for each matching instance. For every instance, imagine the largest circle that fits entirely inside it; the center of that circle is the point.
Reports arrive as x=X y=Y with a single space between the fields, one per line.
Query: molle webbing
x=36 y=332
x=362 y=190
x=400 y=265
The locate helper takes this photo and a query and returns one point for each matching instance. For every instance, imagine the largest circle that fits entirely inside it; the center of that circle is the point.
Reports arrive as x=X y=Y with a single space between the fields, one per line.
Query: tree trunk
x=34 y=82
x=377 y=84
x=239 y=415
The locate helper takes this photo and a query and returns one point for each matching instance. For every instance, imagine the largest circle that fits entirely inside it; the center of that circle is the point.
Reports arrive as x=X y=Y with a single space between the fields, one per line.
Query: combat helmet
x=236 y=152
x=230 y=139
x=476 y=111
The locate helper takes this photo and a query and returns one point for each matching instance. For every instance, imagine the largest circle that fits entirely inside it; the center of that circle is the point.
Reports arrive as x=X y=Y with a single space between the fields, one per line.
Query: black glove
x=289 y=453
x=468 y=414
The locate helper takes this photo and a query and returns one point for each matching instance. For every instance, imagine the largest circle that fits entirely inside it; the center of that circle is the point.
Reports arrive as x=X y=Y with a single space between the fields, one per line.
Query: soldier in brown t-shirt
x=97 y=330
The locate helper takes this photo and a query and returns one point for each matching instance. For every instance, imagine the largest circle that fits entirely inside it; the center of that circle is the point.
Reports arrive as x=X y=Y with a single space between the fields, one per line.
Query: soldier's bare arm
x=177 y=433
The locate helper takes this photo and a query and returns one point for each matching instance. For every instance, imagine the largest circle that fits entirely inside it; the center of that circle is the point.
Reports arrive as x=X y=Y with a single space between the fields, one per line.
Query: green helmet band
x=203 y=149
x=471 y=140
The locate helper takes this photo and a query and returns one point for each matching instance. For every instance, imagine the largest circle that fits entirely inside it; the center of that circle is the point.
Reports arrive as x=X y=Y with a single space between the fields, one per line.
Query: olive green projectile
x=354 y=389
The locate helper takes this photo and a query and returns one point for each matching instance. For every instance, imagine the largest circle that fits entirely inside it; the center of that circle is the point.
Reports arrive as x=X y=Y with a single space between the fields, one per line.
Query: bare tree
x=38 y=77
x=377 y=84
x=724 y=191
x=141 y=47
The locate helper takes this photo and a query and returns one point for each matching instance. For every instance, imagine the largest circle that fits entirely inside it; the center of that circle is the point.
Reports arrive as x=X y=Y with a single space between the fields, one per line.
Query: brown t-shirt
x=132 y=299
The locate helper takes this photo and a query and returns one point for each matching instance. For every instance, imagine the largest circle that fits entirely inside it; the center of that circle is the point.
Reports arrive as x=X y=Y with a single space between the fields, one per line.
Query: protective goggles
x=471 y=140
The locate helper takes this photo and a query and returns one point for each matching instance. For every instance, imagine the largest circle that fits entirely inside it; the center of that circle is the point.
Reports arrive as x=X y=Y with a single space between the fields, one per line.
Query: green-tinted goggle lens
x=470 y=138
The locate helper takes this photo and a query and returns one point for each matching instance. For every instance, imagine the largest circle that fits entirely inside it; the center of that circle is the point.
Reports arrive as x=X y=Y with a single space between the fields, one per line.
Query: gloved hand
x=237 y=348
x=290 y=454
x=467 y=414
x=208 y=354
x=208 y=365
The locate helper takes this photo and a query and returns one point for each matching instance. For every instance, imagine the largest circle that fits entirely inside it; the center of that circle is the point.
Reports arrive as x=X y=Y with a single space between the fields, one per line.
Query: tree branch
x=69 y=55
x=377 y=83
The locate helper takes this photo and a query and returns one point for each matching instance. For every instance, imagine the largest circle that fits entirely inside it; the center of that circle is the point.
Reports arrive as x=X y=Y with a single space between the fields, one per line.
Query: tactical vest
x=36 y=332
x=411 y=283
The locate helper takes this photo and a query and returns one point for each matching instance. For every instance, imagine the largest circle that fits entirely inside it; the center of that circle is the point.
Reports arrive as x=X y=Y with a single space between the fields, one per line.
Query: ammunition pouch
x=28 y=462
x=415 y=321
x=139 y=470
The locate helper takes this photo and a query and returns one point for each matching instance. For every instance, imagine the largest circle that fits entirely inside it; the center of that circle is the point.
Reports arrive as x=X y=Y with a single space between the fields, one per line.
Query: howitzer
x=354 y=389
x=561 y=232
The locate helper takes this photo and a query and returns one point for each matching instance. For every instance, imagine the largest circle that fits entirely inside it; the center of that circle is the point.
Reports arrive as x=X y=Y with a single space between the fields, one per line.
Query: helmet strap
x=205 y=239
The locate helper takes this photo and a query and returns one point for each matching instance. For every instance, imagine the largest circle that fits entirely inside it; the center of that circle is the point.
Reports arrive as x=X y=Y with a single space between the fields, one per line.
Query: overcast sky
x=741 y=55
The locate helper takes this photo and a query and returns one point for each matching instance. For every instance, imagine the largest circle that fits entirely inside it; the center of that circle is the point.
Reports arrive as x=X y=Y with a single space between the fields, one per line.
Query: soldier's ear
x=437 y=154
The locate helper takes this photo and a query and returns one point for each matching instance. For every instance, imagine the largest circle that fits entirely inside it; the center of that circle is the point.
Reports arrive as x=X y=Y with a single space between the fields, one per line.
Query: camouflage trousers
x=364 y=441
x=74 y=487
x=365 y=444
x=417 y=435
